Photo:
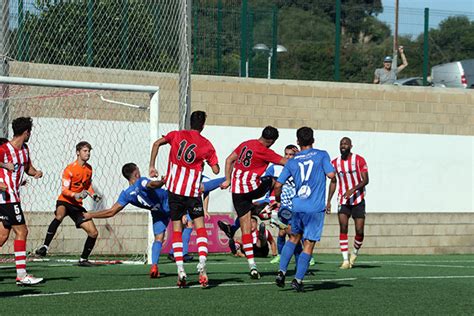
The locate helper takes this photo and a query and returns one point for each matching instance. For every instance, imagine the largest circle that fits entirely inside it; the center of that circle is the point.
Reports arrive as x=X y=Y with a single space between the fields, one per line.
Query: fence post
x=219 y=37
x=249 y=63
x=243 y=39
x=337 y=45
x=195 y=36
x=90 y=12
x=425 y=47
x=274 y=42
x=4 y=67
x=21 y=31
x=124 y=35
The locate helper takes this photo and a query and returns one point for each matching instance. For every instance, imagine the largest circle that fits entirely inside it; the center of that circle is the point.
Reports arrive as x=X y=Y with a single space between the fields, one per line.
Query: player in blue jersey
x=309 y=169
x=146 y=194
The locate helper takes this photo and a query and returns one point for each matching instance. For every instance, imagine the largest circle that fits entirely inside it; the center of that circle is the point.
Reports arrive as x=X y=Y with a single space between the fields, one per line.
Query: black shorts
x=181 y=205
x=243 y=202
x=75 y=212
x=260 y=252
x=356 y=211
x=11 y=214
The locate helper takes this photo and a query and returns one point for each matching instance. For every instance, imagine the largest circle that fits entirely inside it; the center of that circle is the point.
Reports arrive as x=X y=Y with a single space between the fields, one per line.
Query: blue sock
x=280 y=243
x=303 y=264
x=186 y=236
x=155 y=252
x=213 y=184
x=286 y=254
x=298 y=251
x=236 y=225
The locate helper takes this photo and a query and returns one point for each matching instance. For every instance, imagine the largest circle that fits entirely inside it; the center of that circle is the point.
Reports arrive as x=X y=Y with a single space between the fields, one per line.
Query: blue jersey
x=308 y=169
x=155 y=200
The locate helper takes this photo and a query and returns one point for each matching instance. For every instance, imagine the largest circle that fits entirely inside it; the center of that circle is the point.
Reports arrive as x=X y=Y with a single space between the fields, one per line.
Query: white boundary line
x=175 y=287
x=162 y=288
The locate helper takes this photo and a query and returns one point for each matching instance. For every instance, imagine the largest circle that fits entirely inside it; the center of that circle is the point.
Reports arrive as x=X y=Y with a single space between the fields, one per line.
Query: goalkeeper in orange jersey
x=76 y=186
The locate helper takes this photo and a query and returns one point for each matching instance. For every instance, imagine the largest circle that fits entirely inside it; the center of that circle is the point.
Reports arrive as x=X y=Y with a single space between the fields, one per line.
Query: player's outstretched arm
x=229 y=163
x=332 y=189
x=154 y=152
x=155 y=184
x=32 y=171
x=277 y=189
x=110 y=212
x=215 y=169
x=3 y=186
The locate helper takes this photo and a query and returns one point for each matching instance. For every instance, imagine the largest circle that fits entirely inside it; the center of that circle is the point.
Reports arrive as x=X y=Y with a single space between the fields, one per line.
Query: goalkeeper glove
x=96 y=197
x=80 y=196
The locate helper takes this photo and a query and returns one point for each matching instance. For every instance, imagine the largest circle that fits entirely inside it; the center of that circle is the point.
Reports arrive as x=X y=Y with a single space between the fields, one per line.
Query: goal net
x=120 y=125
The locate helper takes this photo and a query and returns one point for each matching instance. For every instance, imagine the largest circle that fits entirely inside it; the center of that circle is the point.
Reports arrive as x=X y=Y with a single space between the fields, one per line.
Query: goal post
x=120 y=128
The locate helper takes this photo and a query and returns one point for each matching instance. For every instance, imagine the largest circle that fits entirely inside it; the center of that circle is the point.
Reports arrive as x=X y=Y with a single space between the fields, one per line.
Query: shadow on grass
x=319 y=286
x=365 y=266
x=19 y=293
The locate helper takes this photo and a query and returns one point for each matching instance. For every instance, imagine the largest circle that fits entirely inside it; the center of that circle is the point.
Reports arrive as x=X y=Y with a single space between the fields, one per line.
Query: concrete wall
x=323 y=106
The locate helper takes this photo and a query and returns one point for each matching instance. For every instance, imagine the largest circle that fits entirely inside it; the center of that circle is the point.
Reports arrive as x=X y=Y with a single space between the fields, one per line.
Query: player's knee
x=93 y=233
x=3 y=238
x=343 y=229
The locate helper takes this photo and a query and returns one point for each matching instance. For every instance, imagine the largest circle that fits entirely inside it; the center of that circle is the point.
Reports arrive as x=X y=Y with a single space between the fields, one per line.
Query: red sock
x=248 y=248
x=344 y=244
x=19 y=246
x=202 y=243
x=358 y=239
x=178 y=247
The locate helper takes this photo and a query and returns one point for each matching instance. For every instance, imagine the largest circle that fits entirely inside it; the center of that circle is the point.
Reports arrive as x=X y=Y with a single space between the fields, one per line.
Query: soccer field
x=378 y=284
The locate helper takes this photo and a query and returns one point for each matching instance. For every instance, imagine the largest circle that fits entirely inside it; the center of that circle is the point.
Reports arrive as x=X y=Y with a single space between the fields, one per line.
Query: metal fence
x=227 y=36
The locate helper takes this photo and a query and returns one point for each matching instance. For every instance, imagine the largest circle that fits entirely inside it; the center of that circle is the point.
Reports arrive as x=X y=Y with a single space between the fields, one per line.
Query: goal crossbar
x=78 y=84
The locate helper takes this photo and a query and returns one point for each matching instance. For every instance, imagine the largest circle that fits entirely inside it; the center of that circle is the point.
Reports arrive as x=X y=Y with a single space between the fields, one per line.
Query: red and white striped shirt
x=189 y=149
x=349 y=175
x=268 y=236
x=253 y=159
x=13 y=179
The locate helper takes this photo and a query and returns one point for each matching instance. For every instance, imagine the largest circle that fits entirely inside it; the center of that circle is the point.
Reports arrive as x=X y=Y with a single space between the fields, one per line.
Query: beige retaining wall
x=291 y=104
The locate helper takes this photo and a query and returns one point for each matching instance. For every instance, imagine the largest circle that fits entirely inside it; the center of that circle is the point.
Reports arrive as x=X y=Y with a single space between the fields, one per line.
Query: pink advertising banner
x=217 y=240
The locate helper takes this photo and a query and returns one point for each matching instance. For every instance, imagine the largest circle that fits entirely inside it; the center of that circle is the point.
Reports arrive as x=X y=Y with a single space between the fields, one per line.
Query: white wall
x=408 y=172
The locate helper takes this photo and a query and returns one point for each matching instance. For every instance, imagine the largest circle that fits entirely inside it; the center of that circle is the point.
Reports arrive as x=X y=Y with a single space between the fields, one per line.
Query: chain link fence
x=145 y=35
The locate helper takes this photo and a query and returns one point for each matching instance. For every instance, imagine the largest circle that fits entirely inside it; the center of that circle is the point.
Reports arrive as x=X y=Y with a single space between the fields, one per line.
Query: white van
x=458 y=74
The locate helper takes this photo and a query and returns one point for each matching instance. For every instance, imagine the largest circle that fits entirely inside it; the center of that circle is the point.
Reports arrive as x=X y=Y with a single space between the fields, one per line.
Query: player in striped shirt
x=189 y=149
x=353 y=175
x=76 y=186
x=16 y=154
x=243 y=169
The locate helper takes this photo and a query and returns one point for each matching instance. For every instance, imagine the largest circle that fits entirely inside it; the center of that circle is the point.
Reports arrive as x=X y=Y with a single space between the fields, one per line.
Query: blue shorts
x=160 y=222
x=310 y=225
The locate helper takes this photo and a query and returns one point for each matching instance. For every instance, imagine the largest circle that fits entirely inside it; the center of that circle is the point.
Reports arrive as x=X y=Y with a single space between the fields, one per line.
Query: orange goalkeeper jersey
x=76 y=178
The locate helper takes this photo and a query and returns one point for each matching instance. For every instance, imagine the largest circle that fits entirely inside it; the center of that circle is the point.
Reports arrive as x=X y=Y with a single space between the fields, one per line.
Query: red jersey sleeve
x=170 y=136
x=212 y=156
x=272 y=156
x=362 y=164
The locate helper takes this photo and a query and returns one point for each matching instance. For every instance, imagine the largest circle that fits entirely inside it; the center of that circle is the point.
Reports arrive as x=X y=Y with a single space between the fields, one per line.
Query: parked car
x=412 y=81
x=458 y=74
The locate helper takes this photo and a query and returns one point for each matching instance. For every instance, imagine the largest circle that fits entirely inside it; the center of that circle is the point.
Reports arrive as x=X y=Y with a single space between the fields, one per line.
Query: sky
x=411 y=13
